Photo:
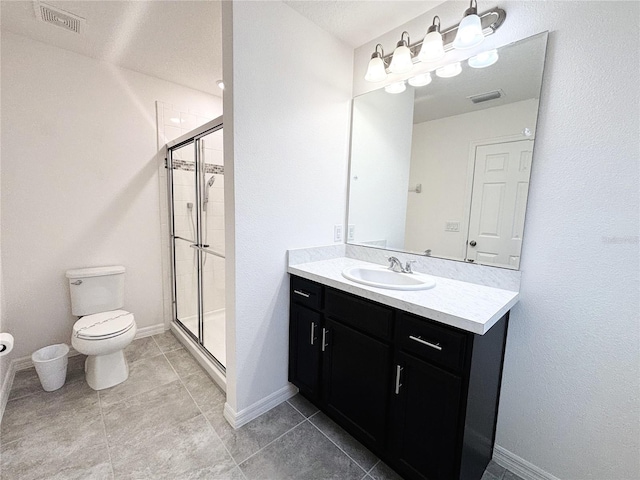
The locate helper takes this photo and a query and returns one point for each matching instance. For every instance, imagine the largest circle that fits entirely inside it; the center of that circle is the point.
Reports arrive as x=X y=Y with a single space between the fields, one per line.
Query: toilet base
x=104 y=371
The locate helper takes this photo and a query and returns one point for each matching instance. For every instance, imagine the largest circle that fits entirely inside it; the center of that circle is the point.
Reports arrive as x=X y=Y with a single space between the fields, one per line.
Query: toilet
x=104 y=329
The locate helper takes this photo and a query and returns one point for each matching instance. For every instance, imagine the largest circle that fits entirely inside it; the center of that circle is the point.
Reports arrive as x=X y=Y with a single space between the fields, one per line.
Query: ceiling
x=518 y=74
x=180 y=41
x=358 y=22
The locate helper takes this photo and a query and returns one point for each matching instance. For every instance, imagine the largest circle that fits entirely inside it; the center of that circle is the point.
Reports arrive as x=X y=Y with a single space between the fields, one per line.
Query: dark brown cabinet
x=421 y=395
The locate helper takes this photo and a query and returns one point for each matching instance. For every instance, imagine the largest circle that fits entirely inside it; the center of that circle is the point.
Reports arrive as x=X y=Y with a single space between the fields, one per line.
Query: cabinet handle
x=313 y=331
x=324 y=338
x=398 y=384
x=305 y=295
x=424 y=342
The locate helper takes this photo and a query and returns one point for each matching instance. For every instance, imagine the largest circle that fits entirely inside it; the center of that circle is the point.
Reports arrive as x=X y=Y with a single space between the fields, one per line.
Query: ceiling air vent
x=485 y=97
x=58 y=17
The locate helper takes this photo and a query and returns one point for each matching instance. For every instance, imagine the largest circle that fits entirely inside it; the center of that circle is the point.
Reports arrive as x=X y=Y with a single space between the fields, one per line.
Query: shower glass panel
x=197 y=199
x=186 y=273
x=213 y=285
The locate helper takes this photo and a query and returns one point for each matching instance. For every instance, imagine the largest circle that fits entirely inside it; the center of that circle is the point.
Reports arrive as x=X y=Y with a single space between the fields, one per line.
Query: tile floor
x=165 y=422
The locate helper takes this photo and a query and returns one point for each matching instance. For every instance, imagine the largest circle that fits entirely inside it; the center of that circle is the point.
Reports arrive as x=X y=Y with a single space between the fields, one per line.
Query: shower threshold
x=204 y=359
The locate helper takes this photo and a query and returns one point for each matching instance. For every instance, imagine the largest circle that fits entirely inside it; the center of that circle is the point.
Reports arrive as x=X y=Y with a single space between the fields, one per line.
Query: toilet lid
x=103 y=325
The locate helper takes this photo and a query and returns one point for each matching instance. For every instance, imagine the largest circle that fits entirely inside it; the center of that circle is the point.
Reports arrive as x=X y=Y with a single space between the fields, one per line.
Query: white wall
x=440 y=162
x=286 y=143
x=381 y=155
x=569 y=402
x=79 y=183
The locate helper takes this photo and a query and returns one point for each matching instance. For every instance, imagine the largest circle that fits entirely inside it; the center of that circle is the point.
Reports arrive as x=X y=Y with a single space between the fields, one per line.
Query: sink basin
x=382 y=277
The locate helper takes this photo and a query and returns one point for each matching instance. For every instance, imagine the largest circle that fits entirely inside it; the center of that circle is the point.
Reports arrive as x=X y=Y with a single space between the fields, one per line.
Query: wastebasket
x=51 y=365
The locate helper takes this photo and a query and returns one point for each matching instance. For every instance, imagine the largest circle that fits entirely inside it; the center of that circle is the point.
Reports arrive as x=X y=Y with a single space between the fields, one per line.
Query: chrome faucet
x=396 y=265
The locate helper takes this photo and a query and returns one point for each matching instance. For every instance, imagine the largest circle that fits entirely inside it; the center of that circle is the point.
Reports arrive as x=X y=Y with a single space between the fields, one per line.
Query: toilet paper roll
x=6 y=343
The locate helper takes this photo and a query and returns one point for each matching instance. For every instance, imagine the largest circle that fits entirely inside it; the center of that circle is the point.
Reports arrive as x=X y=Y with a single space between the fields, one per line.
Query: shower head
x=206 y=192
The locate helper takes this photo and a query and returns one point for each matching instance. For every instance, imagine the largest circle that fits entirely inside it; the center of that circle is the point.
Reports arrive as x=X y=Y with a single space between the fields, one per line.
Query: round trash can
x=51 y=365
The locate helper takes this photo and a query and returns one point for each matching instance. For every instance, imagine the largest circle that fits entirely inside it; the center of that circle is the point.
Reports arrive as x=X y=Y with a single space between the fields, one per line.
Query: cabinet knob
x=473 y=243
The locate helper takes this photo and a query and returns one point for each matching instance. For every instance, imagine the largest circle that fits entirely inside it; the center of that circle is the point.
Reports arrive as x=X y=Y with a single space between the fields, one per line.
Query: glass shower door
x=185 y=235
x=213 y=261
x=197 y=189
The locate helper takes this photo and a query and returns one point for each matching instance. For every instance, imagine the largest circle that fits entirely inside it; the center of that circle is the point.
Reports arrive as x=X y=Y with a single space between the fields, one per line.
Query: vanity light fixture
x=450 y=70
x=484 y=59
x=432 y=46
x=397 y=87
x=470 y=29
x=420 y=80
x=401 y=62
x=469 y=33
x=376 y=71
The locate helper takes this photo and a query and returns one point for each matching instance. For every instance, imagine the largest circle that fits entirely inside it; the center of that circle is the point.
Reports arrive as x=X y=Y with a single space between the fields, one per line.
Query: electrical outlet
x=351 y=233
x=337 y=233
x=452 y=227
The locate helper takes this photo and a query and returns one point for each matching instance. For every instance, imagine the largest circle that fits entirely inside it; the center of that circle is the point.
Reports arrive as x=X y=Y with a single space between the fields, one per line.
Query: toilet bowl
x=103 y=337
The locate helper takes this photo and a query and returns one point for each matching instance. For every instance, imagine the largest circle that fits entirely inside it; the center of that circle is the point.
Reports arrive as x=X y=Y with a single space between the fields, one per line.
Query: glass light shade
x=420 y=80
x=469 y=33
x=376 y=71
x=401 y=61
x=397 y=87
x=449 y=71
x=484 y=59
x=432 y=48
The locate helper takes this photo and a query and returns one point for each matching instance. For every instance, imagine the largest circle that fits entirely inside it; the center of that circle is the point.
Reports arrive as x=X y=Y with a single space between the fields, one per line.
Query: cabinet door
x=304 y=350
x=425 y=426
x=356 y=379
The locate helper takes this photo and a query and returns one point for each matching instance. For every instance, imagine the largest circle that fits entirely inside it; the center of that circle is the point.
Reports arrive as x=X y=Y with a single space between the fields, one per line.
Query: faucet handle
x=407 y=267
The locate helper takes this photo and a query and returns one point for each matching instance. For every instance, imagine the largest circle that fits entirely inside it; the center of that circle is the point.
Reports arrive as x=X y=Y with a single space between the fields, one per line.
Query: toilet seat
x=103 y=325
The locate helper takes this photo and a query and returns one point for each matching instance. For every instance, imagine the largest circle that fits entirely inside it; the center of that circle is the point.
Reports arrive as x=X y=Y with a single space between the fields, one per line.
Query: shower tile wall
x=172 y=123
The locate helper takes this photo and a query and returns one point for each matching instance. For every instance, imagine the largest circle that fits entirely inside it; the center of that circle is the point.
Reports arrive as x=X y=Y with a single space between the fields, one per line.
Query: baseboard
x=244 y=416
x=519 y=466
x=156 y=329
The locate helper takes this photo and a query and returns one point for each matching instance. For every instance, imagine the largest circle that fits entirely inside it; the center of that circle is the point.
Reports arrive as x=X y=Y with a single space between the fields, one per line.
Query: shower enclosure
x=196 y=191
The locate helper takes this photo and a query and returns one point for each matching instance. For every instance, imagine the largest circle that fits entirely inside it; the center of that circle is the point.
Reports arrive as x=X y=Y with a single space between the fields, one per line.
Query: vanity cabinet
x=421 y=395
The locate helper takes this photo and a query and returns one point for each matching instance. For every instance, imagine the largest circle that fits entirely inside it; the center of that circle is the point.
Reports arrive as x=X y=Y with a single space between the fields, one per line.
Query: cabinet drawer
x=439 y=345
x=361 y=314
x=305 y=292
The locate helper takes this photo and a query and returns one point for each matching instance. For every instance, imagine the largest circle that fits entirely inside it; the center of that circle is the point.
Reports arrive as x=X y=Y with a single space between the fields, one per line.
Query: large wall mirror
x=443 y=169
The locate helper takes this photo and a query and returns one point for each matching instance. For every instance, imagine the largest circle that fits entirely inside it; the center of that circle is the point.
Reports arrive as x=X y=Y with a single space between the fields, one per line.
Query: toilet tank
x=96 y=289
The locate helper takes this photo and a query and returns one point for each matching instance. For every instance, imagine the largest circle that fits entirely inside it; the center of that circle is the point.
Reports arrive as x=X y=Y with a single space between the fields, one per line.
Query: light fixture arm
x=490 y=20
x=472 y=10
x=434 y=27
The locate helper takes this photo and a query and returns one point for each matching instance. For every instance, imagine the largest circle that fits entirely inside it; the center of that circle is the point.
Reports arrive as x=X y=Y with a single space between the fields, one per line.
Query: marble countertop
x=470 y=307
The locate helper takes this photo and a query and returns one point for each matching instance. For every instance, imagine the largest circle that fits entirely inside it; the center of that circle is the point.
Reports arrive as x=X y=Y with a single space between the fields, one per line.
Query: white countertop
x=470 y=307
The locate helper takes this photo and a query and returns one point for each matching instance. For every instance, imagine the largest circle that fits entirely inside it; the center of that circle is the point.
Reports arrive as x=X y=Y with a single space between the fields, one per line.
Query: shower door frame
x=194 y=136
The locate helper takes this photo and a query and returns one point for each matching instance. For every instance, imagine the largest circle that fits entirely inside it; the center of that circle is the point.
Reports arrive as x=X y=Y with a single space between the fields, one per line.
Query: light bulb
x=484 y=59
x=470 y=30
x=397 y=87
x=220 y=84
x=432 y=47
x=401 y=61
x=449 y=71
x=420 y=80
x=376 y=71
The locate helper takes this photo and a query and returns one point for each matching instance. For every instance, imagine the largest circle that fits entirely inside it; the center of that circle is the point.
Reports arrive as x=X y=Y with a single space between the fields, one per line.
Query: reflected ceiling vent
x=57 y=16
x=485 y=97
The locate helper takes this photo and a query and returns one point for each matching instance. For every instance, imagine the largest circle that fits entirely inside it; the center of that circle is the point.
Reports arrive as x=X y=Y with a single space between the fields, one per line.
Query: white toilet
x=97 y=294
